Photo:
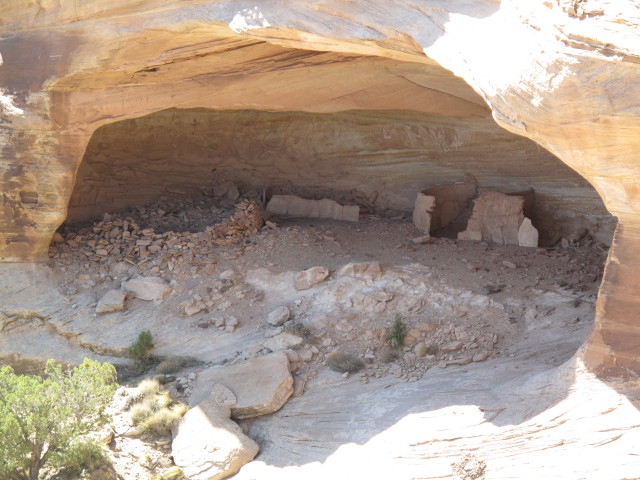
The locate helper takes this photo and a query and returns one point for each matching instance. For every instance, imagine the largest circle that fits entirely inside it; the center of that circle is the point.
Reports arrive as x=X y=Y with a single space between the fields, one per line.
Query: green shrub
x=140 y=350
x=398 y=331
x=152 y=410
x=44 y=420
x=344 y=362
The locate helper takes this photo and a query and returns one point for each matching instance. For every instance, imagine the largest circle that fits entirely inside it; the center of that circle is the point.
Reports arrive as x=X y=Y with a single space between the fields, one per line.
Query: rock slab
x=302 y=207
x=112 y=301
x=308 y=278
x=261 y=386
x=148 y=288
x=207 y=444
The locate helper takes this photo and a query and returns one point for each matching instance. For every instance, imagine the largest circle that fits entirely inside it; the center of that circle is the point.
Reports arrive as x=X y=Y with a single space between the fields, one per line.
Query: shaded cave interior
x=379 y=159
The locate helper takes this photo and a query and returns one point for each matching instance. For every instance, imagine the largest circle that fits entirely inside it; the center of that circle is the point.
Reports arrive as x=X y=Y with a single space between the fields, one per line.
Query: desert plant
x=44 y=420
x=152 y=410
x=344 y=362
x=140 y=350
x=387 y=354
x=398 y=331
x=175 y=364
x=300 y=330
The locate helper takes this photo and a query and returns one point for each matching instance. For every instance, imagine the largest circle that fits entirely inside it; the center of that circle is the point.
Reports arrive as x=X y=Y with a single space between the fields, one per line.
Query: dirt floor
x=462 y=302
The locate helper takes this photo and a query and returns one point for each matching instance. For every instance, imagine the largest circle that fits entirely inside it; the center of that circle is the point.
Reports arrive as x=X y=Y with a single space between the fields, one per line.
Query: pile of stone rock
x=116 y=239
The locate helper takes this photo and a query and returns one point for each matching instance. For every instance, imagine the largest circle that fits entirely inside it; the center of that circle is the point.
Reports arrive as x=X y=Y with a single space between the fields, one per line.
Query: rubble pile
x=117 y=238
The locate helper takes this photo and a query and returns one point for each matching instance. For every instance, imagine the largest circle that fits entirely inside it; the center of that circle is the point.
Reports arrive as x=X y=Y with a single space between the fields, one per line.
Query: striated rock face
x=564 y=74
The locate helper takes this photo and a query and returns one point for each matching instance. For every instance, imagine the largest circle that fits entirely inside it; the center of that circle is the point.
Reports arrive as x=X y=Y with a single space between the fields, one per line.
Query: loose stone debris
x=256 y=300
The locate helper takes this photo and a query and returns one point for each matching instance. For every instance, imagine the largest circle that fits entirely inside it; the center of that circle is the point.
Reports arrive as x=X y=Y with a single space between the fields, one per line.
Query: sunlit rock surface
x=564 y=74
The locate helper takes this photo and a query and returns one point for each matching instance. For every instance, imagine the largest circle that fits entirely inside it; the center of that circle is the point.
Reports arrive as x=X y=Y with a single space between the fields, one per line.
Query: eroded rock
x=308 y=278
x=207 y=444
x=112 y=301
x=261 y=385
x=148 y=288
x=278 y=316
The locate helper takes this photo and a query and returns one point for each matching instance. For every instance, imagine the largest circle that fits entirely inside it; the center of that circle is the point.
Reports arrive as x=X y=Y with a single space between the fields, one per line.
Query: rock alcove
x=106 y=107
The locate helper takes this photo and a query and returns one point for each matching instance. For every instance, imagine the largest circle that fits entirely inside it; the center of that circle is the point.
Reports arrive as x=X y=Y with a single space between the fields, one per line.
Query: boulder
x=278 y=316
x=207 y=444
x=282 y=341
x=261 y=385
x=308 y=278
x=112 y=301
x=148 y=288
x=370 y=271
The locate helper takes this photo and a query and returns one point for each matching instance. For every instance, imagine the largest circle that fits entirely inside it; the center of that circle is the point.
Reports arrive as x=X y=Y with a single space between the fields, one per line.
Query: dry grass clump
x=387 y=354
x=344 y=362
x=174 y=364
x=300 y=330
x=153 y=411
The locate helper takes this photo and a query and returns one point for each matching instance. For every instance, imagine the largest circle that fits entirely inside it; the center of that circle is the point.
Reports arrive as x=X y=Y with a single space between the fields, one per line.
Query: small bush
x=344 y=362
x=161 y=422
x=152 y=410
x=147 y=388
x=398 y=331
x=140 y=350
x=387 y=354
x=300 y=330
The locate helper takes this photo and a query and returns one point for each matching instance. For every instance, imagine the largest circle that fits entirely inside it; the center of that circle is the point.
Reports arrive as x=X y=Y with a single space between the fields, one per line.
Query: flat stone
x=451 y=346
x=148 y=288
x=278 y=316
x=283 y=341
x=308 y=278
x=207 y=444
x=370 y=271
x=112 y=301
x=261 y=385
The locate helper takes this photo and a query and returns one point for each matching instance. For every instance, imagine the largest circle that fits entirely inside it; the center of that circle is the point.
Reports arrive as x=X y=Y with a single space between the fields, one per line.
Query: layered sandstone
x=562 y=73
